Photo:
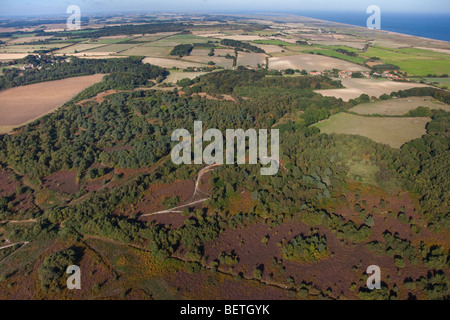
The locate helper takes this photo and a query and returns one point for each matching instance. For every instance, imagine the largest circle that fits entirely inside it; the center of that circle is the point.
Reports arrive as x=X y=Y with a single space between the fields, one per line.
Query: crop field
x=414 y=61
x=334 y=54
x=372 y=87
x=80 y=48
x=11 y=56
x=274 y=42
x=200 y=52
x=31 y=48
x=223 y=52
x=113 y=39
x=169 y=63
x=398 y=107
x=251 y=59
x=175 y=76
x=311 y=62
x=97 y=55
x=242 y=37
x=179 y=39
x=391 y=131
x=352 y=44
x=23 y=104
x=117 y=48
x=269 y=48
x=220 y=61
x=28 y=39
x=147 y=51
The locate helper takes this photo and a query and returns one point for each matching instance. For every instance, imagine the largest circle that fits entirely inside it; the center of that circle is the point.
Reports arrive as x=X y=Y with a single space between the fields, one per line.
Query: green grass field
x=334 y=54
x=391 y=131
x=414 y=61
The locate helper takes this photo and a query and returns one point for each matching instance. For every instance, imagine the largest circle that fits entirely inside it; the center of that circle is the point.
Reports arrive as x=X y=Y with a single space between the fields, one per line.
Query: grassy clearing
x=391 y=131
x=362 y=171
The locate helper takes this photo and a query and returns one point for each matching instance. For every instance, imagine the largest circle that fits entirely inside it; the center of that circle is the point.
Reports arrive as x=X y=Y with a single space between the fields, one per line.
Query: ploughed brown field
x=23 y=104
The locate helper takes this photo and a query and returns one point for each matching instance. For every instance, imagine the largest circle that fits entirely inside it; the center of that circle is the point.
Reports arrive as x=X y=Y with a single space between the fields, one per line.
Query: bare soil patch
x=62 y=181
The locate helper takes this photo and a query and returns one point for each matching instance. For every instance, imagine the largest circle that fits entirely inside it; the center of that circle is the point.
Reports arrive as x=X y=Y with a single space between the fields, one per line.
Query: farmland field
x=352 y=44
x=169 y=63
x=23 y=104
x=334 y=54
x=178 y=39
x=29 y=39
x=268 y=48
x=147 y=51
x=31 y=48
x=80 y=48
x=220 y=61
x=174 y=76
x=414 y=61
x=391 y=131
x=355 y=87
x=399 y=106
x=113 y=48
x=311 y=62
x=10 y=56
x=251 y=59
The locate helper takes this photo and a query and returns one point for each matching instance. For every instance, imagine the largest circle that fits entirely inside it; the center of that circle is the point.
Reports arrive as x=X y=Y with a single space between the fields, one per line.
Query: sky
x=41 y=7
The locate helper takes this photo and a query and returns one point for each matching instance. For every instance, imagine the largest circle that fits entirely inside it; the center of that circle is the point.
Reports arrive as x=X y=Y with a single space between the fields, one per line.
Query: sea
x=426 y=25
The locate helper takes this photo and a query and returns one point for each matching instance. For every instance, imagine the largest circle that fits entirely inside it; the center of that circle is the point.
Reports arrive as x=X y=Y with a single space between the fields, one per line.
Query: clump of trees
x=52 y=270
x=306 y=248
x=241 y=45
x=182 y=50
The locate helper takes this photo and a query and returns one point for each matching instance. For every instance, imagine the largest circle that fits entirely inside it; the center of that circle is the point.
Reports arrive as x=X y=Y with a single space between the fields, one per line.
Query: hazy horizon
x=50 y=8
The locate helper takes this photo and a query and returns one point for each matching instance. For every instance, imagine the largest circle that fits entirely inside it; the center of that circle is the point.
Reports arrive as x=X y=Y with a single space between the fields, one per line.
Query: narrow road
x=13 y=244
